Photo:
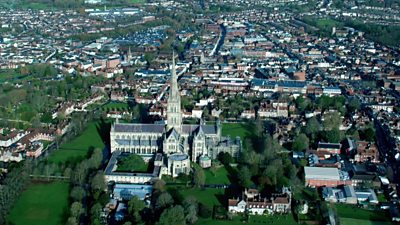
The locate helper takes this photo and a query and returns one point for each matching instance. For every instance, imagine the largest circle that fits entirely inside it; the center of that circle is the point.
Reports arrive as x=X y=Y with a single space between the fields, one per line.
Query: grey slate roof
x=139 y=127
x=191 y=128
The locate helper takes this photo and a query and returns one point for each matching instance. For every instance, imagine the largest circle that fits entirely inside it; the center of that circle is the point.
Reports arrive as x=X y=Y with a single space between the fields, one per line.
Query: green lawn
x=36 y=6
x=118 y=106
x=132 y=163
x=236 y=129
x=209 y=196
x=8 y=74
x=78 y=148
x=137 y=1
x=354 y=212
x=327 y=23
x=41 y=204
x=350 y=221
x=220 y=176
x=254 y=220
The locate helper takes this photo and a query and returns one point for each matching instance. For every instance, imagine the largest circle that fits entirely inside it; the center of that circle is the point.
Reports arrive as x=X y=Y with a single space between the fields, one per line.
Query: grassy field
x=353 y=212
x=8 y=75
x=220 y=176
x=350 y=221
x=236 y=129
x=79 y=147
x=209 y=196
x=254 y=220
x=132 y=163
x=118 y=106
x=41 y=204
x=137 y=1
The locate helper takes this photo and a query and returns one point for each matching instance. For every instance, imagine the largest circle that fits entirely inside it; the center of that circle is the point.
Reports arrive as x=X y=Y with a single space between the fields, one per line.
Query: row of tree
x=12 y=187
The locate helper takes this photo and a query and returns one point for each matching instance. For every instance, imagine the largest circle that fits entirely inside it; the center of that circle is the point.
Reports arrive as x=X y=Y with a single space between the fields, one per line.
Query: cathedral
x=174 y=140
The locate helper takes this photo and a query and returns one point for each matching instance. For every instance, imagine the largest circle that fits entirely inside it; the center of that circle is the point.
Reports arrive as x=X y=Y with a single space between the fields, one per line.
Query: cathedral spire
x=174 y=114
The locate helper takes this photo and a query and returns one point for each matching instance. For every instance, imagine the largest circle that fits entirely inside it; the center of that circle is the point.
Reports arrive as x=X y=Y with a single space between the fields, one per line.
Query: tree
x=96 y=158
x=332 y=120
x=135 y=206
x=191 y=214
x=199 y=177
x=244 y=177
x=76 y=209
x=172 y=216
x=77 y=193
x=95 y=211
x=354 y=104
x=300 y=143
x=302 y=104
x=164 y=200
x=98 y=184
x=191 y=207
x=368 y=134
x=72 y=221
x=79 y=174
x=333 y=135
x=312 y=127
x=204 y=211
x=159 y=185
x=225 y=158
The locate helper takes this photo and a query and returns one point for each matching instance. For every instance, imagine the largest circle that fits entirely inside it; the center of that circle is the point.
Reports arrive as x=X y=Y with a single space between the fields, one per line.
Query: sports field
x=41 y=204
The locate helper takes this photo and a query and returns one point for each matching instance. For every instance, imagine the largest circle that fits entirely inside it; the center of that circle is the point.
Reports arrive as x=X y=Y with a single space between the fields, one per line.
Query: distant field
x=78 y=148
x=41 y=204
x=254 y=220
x=7 y=75
x=36 y=5
x=349 y=221
x=137 y=1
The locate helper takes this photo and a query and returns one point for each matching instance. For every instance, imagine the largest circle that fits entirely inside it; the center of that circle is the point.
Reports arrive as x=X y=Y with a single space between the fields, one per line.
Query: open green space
x=354 y=212
x=350 y=221
x=236 y=129
x=132 y=163
x=208 y=196
x=117 y=106
x=7 y=75
x=79 y=147
x=220 y=176
x=137 y=1
x=41 y=204
x=36 y=6
x=254 y=220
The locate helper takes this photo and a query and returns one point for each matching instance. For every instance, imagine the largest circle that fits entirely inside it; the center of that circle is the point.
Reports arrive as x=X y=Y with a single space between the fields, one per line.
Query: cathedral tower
x=174 y=114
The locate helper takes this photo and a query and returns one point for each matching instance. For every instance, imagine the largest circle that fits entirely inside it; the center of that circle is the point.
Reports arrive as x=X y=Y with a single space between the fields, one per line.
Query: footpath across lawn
x=219 y=177
x=78 y=148
x=210 y=196
x=41 y=204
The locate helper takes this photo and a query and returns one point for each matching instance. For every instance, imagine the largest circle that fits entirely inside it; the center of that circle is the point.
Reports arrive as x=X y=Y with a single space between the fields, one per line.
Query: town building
x=255 y=204
x=179 y=143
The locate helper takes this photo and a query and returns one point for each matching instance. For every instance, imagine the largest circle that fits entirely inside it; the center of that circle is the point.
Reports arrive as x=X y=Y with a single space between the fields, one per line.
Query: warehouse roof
x=321 y=173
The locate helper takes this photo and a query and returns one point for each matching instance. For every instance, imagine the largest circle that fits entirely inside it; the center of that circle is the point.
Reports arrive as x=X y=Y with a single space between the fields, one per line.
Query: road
x=220 y=41
x=386 y=150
